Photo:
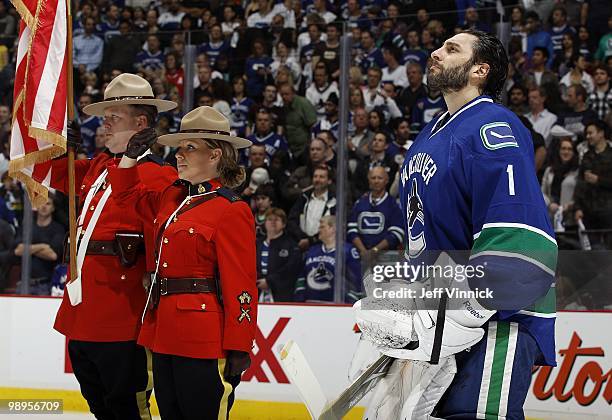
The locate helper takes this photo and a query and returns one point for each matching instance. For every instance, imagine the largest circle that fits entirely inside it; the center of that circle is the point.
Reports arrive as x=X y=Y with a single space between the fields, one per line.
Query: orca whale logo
x=320 y=278
x=416 y=222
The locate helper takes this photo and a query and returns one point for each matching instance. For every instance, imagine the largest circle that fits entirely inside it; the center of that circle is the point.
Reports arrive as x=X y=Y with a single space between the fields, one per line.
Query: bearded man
x=468 y=183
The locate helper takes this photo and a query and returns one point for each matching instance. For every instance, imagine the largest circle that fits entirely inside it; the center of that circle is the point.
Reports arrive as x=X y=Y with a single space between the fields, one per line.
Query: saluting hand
x=140 y=142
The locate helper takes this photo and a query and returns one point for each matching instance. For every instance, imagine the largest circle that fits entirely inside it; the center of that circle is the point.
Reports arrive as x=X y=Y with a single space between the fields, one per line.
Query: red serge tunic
x=217 y=236
x=113 y=295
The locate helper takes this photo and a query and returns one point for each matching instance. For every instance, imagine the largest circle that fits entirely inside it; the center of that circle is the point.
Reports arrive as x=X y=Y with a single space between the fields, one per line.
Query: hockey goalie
x=468 y=183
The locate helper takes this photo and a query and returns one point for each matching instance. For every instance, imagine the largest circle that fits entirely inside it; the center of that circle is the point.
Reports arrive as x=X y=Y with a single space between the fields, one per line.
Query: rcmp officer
x=100 y=312
x=201 y=315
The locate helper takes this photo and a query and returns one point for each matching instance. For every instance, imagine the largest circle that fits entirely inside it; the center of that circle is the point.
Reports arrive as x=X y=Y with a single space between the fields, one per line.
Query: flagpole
x=72 y=216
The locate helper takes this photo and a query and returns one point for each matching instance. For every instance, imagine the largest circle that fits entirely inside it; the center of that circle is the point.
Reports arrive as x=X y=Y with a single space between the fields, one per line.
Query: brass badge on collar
x=201 y=189
x=245 y=306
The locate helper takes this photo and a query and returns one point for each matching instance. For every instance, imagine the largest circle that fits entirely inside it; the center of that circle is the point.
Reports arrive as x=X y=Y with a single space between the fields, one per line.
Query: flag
x=39 y=111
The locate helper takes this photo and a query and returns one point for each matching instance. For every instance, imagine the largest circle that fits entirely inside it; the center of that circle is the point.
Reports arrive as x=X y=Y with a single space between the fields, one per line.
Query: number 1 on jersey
x=510 y=171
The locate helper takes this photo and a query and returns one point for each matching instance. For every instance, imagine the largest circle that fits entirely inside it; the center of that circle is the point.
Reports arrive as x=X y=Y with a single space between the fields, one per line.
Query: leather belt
x=187 y=285
x=101 y=248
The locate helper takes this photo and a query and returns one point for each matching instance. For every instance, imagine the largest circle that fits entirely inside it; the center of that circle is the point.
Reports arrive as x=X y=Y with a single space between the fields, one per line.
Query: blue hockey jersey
x=374 y=221
x=316 y=282
x=89 y=127
x=272 y=141
x=468 y=183
x=240 y=114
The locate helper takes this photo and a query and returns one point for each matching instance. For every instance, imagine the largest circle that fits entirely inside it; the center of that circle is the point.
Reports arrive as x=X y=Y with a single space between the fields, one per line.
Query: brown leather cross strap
x=101 y=248
x=187 y=285
x=194 y=203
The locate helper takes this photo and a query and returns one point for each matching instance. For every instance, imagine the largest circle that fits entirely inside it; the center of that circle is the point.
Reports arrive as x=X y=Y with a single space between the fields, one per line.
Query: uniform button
x=104 y=186
x=203 y=306
x=92 y=208
x=83 y=186
x=165 y=240
x=175 y=219
x=123 y=277
x=165 y=265
x=154 y=221
x=129 y=246
x=190 y=230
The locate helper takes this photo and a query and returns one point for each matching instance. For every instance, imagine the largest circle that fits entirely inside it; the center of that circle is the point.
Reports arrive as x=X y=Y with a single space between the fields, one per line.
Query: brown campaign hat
x=128 y=89
x=204 y=123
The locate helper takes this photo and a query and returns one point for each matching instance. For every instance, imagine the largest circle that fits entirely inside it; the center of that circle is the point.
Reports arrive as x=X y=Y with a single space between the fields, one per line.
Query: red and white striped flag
x=39 y=111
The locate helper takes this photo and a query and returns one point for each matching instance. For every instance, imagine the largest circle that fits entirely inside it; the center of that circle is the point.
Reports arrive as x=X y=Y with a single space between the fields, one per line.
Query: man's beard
x=450 y=79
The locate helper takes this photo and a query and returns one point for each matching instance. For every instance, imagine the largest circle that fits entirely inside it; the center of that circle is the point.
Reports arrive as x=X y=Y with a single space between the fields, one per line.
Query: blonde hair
x=230 y=172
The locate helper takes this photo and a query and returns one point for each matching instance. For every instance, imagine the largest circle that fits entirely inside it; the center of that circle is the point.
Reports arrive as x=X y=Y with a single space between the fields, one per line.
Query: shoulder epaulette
x=228 y=194
x=153 y=158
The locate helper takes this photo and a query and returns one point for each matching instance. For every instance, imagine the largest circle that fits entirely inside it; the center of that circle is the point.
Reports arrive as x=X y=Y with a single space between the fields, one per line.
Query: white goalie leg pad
x=410 y=390
x=366 y=353
x=427 y=389
x=387 y=396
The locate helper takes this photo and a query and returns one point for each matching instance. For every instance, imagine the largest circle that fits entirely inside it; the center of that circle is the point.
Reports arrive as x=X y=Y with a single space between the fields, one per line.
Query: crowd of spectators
x=273 y=69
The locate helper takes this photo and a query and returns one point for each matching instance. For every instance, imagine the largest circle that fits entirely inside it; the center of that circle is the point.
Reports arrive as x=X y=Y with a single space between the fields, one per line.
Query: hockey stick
x=301 y=375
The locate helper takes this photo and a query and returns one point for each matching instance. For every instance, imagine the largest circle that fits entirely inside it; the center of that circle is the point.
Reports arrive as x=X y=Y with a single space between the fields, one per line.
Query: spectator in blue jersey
x=87 y=48
x=46 y=248
x=371 y=55
x=414 y=53
x=241 y=107
x=425 y=109
x=375 y=222
x=89 y=125
x=215 y=46
x=401 y=140
x=257 y=69
x=171 y=19
x=378 y=157
x=278 y=260
x=151 y=59
x=537 y=37
x=109 y=25
x=559 y=28
x=330 y=121
x=414 y=91
x=317 y=280
x=315 y=202
x=264 y=135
